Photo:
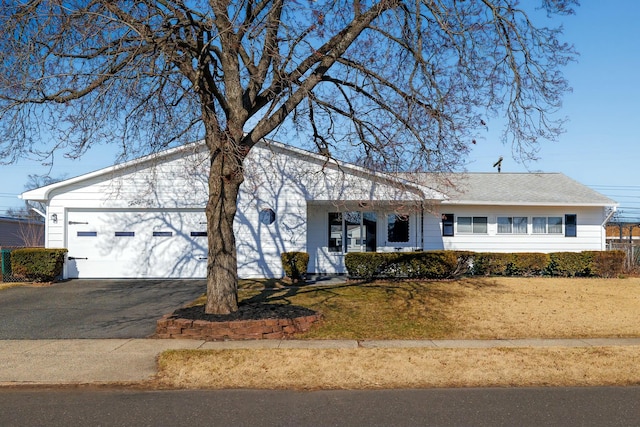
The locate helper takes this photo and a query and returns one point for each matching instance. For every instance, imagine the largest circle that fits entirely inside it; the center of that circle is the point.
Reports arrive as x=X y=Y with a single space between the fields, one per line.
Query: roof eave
x=507 y=203
x=42 y=194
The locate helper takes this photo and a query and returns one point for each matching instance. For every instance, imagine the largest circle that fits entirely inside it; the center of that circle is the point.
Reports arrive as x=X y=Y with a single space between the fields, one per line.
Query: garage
x=136 y=243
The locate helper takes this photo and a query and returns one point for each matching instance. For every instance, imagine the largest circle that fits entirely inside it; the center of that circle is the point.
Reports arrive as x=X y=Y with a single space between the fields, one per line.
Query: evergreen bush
x=37 y=264
x=295 y=265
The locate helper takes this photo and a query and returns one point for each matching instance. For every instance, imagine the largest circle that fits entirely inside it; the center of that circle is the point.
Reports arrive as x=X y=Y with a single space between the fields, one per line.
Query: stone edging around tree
x=172 y=327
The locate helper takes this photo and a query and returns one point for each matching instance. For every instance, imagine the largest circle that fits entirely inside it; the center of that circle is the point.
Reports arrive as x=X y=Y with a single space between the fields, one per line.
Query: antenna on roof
x=498 y=164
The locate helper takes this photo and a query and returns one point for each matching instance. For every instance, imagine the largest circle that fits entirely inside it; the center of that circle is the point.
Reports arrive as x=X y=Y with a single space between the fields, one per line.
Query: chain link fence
x=5 y=265
x=632 y=262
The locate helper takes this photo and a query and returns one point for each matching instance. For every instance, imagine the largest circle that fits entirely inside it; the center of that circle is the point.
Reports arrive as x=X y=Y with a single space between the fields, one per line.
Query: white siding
x=279 y=180
x=590 y=232
x=321 y=260
x=301 y=189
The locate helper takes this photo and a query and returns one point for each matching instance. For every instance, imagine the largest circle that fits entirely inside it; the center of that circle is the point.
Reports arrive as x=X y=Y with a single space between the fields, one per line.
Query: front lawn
x=497 y=308
x=474 y=308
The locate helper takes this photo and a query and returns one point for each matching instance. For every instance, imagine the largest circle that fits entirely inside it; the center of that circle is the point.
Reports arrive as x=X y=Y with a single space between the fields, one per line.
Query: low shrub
x=37 y=264
x=414 y=265
x=451 y=264
x=607 y=263
x=491 y=263
x=365 y=265
x=527 y=264
x=568 y=264
x=295 y=265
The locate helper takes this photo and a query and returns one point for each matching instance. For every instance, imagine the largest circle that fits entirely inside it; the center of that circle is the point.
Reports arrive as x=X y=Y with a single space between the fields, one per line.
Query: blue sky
x=601 y=146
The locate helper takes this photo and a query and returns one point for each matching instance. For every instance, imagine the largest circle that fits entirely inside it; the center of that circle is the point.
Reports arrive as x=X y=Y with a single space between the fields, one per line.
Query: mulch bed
x=250 y=311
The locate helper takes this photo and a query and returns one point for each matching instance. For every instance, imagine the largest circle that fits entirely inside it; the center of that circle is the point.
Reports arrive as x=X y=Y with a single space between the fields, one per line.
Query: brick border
x=264 y=329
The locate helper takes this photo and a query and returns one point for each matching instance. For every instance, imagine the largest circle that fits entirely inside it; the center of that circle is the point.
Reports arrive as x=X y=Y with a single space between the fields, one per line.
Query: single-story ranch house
x=145 y=218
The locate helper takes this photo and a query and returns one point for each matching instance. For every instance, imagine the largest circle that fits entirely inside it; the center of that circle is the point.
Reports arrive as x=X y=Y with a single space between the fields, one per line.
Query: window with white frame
x=512 y=225
x=554 y=225
x=352 y=231
x=472 y=224
x=546 y=224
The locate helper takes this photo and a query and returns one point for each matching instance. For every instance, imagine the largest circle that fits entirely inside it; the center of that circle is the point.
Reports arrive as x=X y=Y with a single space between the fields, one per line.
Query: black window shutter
x=570 y=225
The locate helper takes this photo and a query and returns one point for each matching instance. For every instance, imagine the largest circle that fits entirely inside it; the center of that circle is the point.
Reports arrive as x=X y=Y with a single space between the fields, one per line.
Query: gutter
x=521 y=204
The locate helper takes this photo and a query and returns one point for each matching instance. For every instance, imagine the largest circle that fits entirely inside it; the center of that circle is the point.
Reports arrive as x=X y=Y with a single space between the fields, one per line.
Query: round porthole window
x=267 y=216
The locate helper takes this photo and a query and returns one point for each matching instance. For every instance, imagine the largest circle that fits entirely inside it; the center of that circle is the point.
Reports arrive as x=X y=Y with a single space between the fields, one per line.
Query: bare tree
x=31 y=233
x=400 y=85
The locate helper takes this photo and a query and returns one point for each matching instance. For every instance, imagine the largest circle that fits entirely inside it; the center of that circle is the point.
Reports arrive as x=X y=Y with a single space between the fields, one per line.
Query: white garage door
x=136 y=244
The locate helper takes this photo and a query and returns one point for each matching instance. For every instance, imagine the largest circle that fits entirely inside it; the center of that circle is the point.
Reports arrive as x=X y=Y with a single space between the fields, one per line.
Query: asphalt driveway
x=85 y=308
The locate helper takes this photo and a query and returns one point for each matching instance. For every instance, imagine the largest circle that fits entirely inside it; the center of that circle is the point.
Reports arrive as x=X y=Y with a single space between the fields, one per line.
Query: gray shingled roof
x=521 y=189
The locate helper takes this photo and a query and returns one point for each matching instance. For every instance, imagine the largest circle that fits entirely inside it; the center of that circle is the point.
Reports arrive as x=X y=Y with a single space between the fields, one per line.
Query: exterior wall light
x=54 y=218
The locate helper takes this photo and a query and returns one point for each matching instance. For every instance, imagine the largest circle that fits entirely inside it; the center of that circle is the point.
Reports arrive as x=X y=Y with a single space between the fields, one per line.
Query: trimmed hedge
x=569 y=264
x=528 y=264
x=365 y=265
x=451 y=264
x=295 y=265
x=587 y=264
x=414 y=265
x=490 y=264
x=607 y=264
x=510 y=264
x=37 y=264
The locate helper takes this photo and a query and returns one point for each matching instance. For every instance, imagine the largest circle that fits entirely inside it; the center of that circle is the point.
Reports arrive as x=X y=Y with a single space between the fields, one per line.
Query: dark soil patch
x=250 y=311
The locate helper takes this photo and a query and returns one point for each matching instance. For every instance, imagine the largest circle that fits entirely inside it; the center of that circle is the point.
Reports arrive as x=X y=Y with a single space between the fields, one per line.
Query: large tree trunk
x=225 y=177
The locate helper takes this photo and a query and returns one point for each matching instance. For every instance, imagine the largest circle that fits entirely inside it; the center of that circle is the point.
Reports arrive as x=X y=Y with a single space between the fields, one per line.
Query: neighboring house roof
x=12 y=232
x=542 y=189
x=14 y=220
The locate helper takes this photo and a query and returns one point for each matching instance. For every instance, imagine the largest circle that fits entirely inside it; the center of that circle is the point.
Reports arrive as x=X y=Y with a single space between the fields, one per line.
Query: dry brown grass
x=545 y=308
x=7 y=285
x=478 y=308
x=399 y=368
x=474 y=308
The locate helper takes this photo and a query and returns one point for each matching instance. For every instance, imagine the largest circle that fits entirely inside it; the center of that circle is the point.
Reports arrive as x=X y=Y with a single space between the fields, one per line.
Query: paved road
x=92 y=308
x=434 y=407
